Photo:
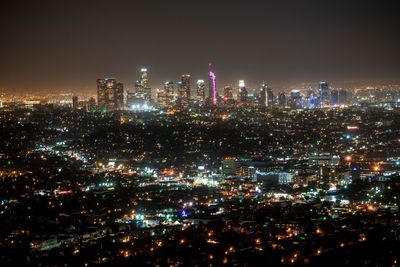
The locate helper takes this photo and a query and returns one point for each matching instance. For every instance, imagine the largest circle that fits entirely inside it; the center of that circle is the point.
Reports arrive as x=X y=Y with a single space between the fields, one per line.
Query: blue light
x=183 y=213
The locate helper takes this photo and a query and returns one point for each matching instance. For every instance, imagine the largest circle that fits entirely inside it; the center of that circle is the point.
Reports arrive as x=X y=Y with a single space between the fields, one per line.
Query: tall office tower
x=295 y=99
x=102 y=93
x=282 y=99
x=262 y=101
x=130 y=98
x=334 y=98
x=242 y=92
x=342 y=98
x=74 y=102
x=143 y=90
x=161 y=97
x=311 y=100
x=119 y=96
x=228 y=95
x=110 y=94
x=91 y=104
x=184 y=90
x=201 y=91
x=169 y=94
x=141 y=95
x=270 y=97
x=212 y=87
x=324 y=93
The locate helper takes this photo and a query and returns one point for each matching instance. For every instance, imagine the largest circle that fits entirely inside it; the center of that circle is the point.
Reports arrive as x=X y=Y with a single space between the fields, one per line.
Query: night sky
x=66 y=45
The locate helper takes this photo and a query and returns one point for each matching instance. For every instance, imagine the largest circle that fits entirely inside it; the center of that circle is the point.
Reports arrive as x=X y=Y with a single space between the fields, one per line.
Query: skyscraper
x=295 y=99
x=263 y=96
x=242 y=92
x=184 y=90
x=142 y=93
x=130 y=98
x=201 y=91
x=228 y=95
x=91 y=106
x=324 y=93
x=119 y=96
x=110 y=94
x=270 y=98
x=212 y=87
x=334 y=99
x=102 y=93
x=311 y=99
x=74 y=102
x=142 y=85
x=165 y=96
x=282 y=99
x=162 y=97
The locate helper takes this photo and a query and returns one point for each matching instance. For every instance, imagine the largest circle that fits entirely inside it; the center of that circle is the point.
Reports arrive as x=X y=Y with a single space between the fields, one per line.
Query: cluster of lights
x=143 y=107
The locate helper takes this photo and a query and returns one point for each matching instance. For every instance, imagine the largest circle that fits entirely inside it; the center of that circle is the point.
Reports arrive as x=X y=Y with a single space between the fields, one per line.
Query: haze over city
x=66 y=45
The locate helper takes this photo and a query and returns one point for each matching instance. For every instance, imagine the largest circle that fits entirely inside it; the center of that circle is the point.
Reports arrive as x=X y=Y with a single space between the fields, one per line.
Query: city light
x=119 y=146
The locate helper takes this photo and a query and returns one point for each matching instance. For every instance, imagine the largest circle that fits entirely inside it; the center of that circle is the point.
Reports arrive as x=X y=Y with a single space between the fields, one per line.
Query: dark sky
x=67 y=45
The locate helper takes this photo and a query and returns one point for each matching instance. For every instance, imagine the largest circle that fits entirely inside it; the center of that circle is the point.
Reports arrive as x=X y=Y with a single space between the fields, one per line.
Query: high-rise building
x=266 y=97
x=228 y=95
x=263 y=96
x=162 y=97
x=270 y=98
x=74 y=102
x=212 y=87
x=334 y=99
x=110 y=94
x=242 y=92
x=184 y=90
x=324 y=95
x=311 y=99
x=295 y=99
x=201 y=91
x=102 y=93
x=282 y=99
x=91 y=104
x=142 y=93
x=165 y=96
x=142 y=85
x=119 y=96
x=130 y=98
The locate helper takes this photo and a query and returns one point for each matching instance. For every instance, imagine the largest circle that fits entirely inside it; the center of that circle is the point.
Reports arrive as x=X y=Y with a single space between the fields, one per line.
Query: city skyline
x=252 y=85
x=65 y=46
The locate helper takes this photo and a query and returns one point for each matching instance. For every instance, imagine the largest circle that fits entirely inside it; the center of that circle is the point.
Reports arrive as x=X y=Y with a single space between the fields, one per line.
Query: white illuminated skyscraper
x=242 y=92
x=201 y=91
x=184 y=90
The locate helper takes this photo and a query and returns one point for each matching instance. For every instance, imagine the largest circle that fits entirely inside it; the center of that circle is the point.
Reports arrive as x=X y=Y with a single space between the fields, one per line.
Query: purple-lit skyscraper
x=212 y=86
